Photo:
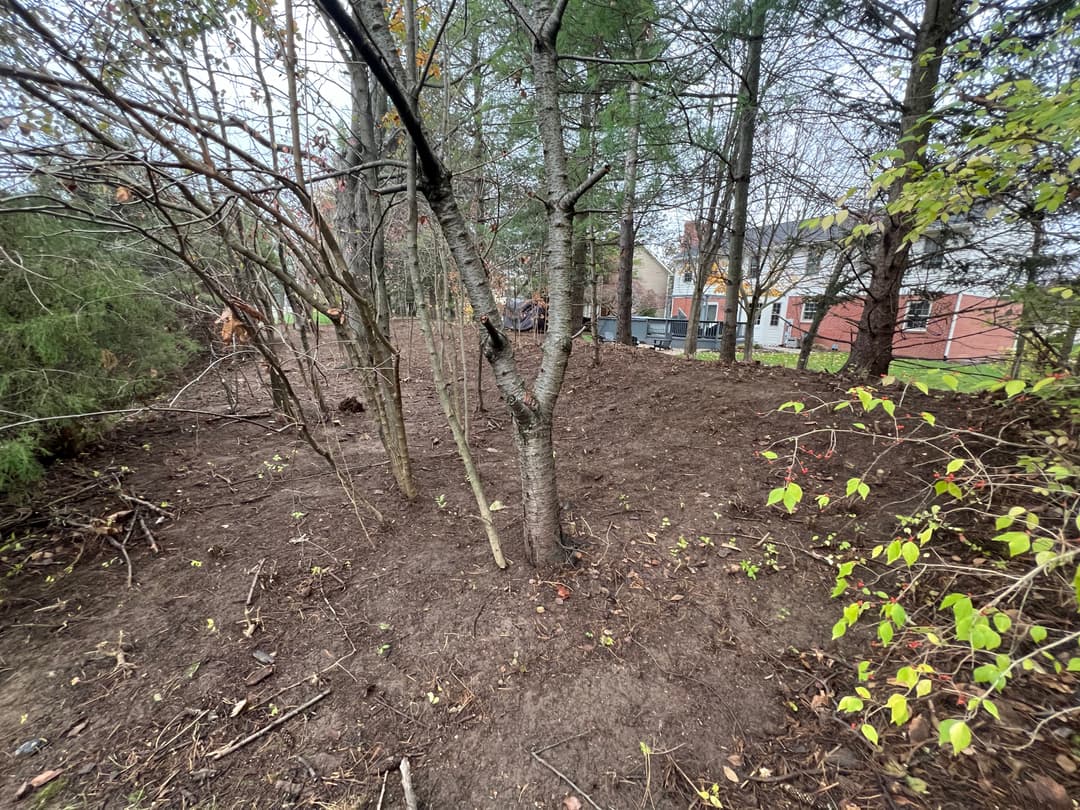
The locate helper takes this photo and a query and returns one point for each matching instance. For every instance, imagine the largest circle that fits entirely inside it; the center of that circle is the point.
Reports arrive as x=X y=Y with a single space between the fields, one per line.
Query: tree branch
x=570 y=198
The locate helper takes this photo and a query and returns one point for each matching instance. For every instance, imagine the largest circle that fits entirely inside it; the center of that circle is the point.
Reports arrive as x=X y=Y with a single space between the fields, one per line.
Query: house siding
x=960 y=327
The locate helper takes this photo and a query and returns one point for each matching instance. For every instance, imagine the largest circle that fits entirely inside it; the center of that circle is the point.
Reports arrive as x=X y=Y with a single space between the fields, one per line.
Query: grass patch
x=941 y=374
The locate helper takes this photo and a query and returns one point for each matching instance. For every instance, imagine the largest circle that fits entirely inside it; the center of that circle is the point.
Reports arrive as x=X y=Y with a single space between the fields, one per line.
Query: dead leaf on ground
x=1047 y=792
x=259 y=675
x=730 y=775
x=919 y=730
x=1066 y=763
x=571 y=803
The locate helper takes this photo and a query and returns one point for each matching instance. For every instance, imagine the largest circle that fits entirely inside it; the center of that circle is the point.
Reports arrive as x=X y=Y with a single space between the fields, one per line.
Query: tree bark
x=827 y=299
x=624 y=308
x=716 y=223
x=531 y=410
x=748 y=107
x=1032 y=265
x=872 y=350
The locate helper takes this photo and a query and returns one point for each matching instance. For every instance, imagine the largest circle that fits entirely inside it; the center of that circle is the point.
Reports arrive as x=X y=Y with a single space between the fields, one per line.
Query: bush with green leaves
x=978 y=590
x=82 y=329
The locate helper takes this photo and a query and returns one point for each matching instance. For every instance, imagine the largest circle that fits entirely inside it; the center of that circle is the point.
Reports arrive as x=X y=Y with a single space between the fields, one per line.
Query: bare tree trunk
x=753 y=306
x=709 y=242
x=531 y=410
x=748 y=107
x=872 y=350
x=624 y=307
x=1031 y=274
x=828 y=298
x=586 y=159
x=442 y=385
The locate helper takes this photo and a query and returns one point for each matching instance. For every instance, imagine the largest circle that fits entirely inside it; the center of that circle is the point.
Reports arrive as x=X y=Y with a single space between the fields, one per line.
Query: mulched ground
x=689 y=647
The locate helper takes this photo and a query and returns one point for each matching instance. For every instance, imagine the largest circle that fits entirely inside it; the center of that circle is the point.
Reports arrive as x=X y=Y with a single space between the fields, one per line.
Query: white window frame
x=774 y=314
x=808 y=310
x=914 y=320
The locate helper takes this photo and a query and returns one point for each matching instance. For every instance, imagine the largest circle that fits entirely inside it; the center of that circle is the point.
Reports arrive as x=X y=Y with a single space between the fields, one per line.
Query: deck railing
x=670 y=332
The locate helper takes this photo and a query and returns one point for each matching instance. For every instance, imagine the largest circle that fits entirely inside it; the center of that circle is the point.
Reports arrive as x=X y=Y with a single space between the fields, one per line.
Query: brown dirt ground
x=656 y=638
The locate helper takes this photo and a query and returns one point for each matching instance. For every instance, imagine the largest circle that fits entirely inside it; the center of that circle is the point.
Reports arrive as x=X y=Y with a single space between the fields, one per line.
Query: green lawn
x=968 y=377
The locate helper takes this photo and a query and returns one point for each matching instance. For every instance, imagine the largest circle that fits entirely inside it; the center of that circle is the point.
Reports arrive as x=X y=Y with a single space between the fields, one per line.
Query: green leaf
x=850 y=704
x=892 y=553
x=991 y=709
x=907 y=676
x=983 y=637
x=839 y=629
x=950 y=381
x=929 y=418
x=925 y=389
x=1073 y=665
x=792 y=495
x=889 y=407
x=1038 y=634
x=797 y=407
x=923 y=687
x=954 y=465
x=870 y=733
x=885 y=632
x=1018 y=542
x=863 y=692
x=955 y=733
x=1014 y=387
x=898 y=706
x=911 y=553
x=1002 y=622
x=775 y=496
x=769 y=454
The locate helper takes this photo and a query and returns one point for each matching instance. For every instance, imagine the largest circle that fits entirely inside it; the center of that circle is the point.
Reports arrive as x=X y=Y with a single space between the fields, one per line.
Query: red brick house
x=956 y=321
x=953 y=326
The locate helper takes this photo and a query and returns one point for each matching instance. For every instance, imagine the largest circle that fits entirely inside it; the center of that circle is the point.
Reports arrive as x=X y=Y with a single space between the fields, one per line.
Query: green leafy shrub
x=975 y=599
x=82 y=329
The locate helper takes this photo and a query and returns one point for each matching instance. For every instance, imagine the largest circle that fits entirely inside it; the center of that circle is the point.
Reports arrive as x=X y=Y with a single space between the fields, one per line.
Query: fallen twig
x=254 y=582
x=149 y=535
x=382 y=792
x=406 y=784
x=153 y=507
x=112 y=541
x=565 y=778
x=289 y=715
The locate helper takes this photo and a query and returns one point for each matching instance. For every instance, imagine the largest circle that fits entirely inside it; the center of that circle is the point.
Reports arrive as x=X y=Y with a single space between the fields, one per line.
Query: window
x=809 y=310
x=709 y=312
x=688 y=275
x=934 y=255
x=813 y=260
x=774 y=315
x=918 y=315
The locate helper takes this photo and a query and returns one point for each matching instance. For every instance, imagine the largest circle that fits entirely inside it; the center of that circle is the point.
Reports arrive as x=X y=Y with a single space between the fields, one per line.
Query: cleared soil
x=689 y=646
